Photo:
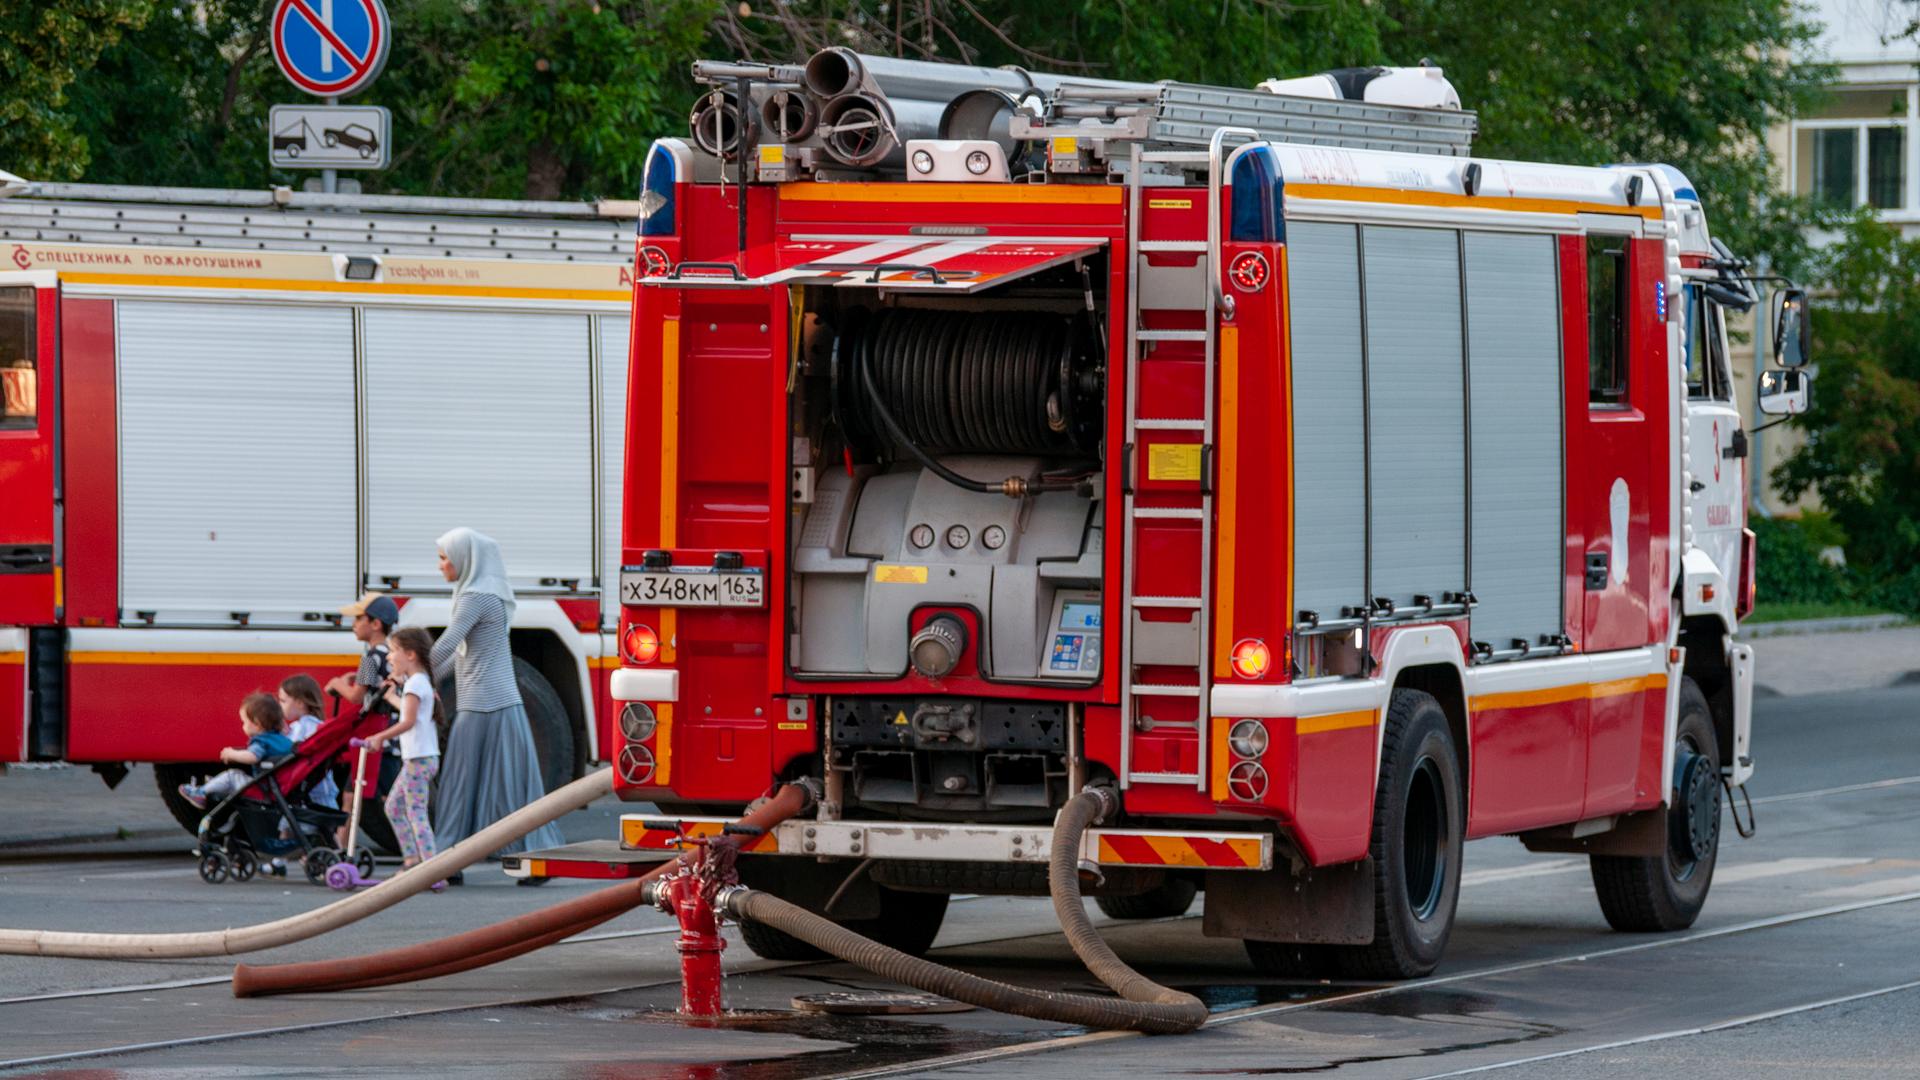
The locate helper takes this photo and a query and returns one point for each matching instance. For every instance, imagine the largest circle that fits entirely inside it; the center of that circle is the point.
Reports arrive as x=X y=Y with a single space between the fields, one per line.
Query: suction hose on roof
x=310 y=924
x=1146 y=1005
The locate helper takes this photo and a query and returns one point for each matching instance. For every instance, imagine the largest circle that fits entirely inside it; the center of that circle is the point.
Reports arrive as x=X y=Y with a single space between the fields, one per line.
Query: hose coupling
x=1109 y=801
x=1014 y=487
x=728 y=898
x=815 y=789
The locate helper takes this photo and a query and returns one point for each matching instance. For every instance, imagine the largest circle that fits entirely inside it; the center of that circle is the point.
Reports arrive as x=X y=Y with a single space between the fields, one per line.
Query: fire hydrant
x=689 y=894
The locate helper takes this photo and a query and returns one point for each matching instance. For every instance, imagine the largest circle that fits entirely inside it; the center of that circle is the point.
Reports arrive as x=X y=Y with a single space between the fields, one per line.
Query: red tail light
x=640 y=645
x=1251 y=658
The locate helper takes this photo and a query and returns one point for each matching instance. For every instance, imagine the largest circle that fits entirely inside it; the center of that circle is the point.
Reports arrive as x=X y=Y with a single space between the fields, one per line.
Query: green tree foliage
x=43 y=45
x=1862 y=454
x=540 y=99
x=1590 y=82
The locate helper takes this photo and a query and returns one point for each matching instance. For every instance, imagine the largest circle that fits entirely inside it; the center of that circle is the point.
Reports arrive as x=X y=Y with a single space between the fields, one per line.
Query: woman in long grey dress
x=490 y=768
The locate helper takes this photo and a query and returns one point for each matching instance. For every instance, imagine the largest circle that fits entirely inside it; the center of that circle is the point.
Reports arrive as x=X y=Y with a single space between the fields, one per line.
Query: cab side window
x=19 y=369
x=1606 y=320
x=1707 y=378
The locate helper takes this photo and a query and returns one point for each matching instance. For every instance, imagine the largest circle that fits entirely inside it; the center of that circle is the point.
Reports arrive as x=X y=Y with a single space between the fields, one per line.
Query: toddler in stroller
x=242 y=827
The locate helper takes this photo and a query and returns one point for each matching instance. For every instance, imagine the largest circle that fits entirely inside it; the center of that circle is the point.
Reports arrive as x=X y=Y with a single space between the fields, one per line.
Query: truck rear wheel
x=908 y=921
x=1666 y=892
x=547 y=722
x=1419 y=826
x=169 y=775
x=1172 y=897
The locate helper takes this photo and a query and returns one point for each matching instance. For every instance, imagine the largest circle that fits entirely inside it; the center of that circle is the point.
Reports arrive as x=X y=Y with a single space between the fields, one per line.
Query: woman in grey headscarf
x=490 y=768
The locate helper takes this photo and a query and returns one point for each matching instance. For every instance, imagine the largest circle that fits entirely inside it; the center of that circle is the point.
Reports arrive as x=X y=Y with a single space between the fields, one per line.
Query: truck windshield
x=19 y=382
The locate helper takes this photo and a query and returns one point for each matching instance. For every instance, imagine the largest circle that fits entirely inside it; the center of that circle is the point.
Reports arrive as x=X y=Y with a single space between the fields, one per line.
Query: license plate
x=693 y=588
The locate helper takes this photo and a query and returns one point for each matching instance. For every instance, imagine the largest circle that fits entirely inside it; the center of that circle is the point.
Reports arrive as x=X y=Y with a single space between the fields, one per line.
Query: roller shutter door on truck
x=1416 y=402
x=1329 y=422
x=237 y=461
x=1513 y=357
x=483 y=419
x=613 y=331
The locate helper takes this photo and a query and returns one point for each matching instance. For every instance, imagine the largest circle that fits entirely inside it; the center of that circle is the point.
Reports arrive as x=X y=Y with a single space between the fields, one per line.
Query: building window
x=19 y=381
x=1854 y=153
x=1606 y=320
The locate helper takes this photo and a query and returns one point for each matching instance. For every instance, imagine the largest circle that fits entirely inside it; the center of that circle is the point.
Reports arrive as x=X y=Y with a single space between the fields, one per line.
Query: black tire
x=244 y=865
x=1173 y=896
x=1288 y=960
x=1666 y=892
x=168 y=776
x=547 y=722
x=363 y=862
x=213 y=868
x=1419 y=823
x=908 y=921
x=318 y=862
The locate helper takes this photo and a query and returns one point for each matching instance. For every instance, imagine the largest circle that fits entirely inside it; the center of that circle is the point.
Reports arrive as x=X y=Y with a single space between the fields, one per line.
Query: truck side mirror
x=1785 y=392
x=1792 y=330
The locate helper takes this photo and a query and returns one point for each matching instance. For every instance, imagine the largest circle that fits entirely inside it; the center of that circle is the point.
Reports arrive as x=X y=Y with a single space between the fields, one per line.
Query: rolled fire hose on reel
x=68 y=943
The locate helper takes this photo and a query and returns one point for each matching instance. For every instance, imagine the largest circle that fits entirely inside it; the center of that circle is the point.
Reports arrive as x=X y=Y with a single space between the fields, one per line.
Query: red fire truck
x=1331 y=494
x=229 y=412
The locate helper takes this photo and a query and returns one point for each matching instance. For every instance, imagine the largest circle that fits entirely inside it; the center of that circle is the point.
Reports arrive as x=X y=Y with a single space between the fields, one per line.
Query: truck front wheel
x=907 y=921
x=1666 y=892
x=1419 y=825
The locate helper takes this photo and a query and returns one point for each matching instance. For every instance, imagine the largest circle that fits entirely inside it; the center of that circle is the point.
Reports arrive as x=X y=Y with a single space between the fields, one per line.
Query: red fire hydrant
x=689 y=893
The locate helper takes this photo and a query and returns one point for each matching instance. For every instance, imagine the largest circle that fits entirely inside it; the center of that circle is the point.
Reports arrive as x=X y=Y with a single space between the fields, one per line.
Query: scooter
x=356 y=870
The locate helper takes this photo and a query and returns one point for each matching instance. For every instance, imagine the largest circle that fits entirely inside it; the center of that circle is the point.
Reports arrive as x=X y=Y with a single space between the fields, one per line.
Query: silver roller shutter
x=1417 y=412
x=1329 y=424
x=483 y=419
x=237 y=459
x=613 y=442
x=1514 y=368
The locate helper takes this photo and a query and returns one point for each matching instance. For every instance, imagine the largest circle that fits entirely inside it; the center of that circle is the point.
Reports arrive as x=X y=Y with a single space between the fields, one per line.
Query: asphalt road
x=1806 y=962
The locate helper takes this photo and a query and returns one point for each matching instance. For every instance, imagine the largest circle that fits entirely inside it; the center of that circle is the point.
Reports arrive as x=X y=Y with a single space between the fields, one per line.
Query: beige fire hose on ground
x=310 y=924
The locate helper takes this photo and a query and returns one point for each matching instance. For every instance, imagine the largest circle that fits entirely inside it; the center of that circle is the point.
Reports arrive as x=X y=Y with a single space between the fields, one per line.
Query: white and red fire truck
x=1332 y=495
x=229 y=412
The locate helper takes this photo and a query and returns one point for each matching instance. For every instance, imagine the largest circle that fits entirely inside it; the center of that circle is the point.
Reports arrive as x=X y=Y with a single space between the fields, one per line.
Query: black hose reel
x=949 y=382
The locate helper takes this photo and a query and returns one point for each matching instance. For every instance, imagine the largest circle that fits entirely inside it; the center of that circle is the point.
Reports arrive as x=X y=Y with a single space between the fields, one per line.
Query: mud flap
x=1325 y=905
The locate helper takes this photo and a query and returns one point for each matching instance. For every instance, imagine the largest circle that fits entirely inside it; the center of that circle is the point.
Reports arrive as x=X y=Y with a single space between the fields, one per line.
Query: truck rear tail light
x=1251 y=658
x=637 y=722
x=635 y=764
x=1247 y=782
x=640 y=644
x=1247 y=739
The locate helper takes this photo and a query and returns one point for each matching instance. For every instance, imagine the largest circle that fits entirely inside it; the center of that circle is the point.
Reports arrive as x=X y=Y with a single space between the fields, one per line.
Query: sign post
x=330 y=49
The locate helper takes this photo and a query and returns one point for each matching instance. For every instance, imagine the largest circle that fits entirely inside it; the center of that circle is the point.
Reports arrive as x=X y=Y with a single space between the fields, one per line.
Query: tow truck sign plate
x=693 y=588
x=329 y=136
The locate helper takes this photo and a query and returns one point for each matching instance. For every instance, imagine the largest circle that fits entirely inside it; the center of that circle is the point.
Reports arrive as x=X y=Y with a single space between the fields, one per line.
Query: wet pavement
x=1814 y=922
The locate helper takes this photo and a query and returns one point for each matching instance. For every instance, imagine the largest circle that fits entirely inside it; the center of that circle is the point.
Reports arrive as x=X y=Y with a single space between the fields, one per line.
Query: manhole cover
x=876 y=1003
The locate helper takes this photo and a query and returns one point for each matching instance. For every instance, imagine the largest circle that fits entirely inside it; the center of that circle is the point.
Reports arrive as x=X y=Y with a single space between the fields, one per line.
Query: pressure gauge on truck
x=994 y=537
x=921 y=536
x=958 y=536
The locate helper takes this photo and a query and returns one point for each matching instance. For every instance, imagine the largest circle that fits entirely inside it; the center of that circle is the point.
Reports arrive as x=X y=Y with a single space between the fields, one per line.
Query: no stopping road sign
x=330 y=48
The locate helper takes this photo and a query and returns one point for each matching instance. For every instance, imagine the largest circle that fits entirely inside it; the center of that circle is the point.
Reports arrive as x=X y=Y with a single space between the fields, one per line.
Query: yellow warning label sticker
x=1064 y=145
x=1169 y=204
x=888 y=574
x=900 y=719
x=793 y=725
x=1173 y=461
x=772 y=153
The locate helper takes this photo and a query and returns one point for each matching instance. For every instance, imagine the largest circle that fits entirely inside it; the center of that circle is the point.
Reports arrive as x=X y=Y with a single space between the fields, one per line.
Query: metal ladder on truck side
x=1175 y=651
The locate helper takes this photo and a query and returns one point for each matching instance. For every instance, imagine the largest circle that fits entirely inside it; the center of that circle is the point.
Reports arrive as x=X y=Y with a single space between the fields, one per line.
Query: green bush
x=1789 y=570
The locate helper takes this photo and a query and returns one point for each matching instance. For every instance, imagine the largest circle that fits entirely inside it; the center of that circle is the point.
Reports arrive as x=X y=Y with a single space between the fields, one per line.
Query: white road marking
x=1235 y=1016
x=1900 y=781
x=1733 y=875
x=1524 y=870
x=1882 y=887
x=1705 y=1029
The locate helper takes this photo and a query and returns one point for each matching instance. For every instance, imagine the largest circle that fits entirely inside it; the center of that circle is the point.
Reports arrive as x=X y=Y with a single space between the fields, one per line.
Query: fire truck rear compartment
x=950 y=527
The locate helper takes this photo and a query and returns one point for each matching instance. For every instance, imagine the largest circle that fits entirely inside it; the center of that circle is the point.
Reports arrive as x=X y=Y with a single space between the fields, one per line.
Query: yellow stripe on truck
x=215 y=659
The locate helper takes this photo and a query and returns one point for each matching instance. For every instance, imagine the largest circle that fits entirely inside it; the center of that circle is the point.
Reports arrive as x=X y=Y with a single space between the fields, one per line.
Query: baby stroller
x=242 y=831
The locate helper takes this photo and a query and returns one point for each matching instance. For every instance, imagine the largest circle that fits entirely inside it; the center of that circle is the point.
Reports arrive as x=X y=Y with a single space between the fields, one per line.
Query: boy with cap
x=374 y=616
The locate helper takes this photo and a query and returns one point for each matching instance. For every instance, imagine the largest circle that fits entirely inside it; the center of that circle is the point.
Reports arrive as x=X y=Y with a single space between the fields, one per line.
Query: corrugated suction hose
x=1146 y=1006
